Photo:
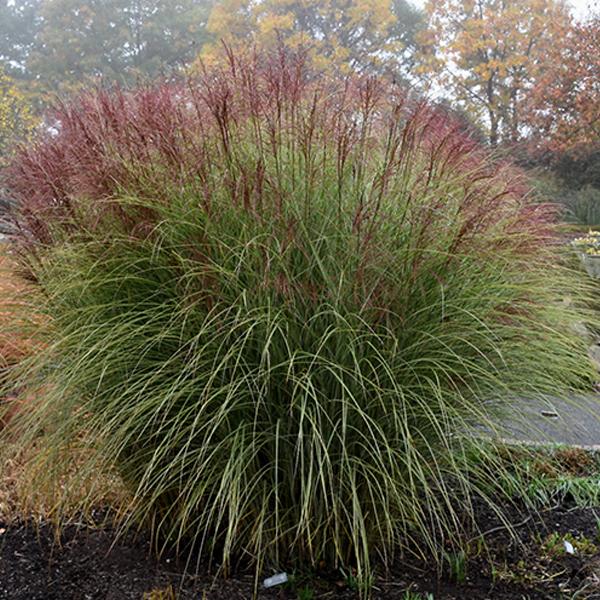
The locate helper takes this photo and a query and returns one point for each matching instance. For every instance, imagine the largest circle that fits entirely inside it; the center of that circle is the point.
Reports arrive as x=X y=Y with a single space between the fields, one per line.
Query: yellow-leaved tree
x=16 y=117
x=488 y=54
x=347 y=35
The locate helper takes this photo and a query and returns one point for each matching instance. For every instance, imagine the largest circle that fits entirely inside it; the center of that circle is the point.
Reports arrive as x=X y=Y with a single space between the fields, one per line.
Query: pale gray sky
x=581 y=8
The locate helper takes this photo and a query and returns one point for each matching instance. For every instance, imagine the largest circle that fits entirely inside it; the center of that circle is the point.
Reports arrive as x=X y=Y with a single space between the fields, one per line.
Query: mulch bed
x=90 y=564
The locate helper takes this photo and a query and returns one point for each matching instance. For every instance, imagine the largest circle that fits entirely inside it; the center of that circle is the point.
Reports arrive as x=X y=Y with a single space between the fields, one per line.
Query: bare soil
x=92 y=563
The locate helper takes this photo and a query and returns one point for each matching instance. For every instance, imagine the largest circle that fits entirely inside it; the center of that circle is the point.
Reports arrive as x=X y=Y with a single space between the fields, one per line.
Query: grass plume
x=277 y=303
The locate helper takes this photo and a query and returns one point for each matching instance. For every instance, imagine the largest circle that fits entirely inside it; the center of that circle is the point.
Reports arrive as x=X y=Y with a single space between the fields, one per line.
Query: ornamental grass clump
x=278 y=304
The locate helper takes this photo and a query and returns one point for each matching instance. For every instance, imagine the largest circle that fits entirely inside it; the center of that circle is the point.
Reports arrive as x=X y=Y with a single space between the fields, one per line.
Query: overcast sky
x=581 y=8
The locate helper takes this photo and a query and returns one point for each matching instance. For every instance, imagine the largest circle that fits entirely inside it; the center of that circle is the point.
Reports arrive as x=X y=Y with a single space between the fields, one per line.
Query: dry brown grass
x=75 y=495
x=14 y=343
x=21 y=496
x=17 y=330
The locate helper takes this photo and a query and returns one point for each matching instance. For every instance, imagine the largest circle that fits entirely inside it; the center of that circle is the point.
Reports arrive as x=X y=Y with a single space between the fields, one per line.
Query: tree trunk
x=493 y=128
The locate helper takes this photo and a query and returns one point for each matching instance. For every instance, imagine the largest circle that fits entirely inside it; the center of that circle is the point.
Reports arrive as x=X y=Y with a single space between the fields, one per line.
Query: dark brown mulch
x=90 y=564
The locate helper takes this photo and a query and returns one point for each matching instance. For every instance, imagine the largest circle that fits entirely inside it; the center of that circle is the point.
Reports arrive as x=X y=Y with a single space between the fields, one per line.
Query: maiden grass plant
x=278 y=304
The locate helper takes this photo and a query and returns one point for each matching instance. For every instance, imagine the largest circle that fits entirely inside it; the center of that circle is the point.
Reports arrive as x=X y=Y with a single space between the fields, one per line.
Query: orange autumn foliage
x=488 y=55
x=564 y=107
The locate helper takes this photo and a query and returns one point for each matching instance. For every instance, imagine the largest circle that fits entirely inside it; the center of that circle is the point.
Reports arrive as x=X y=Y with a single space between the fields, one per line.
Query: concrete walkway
x=573 y=421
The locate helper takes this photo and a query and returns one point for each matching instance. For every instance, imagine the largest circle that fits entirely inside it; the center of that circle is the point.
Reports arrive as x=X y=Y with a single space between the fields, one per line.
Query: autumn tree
x=346 y=34
x=19 y=25
x=16 y=118
x=564 y=106
x=488 y=55
x=116 y=40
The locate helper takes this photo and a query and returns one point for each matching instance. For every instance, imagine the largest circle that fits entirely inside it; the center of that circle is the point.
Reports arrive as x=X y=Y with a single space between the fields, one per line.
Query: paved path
x=573 y=421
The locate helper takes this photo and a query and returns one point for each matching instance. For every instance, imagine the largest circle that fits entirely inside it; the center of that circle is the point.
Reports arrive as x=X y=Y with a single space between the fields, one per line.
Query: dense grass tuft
x=277 y=304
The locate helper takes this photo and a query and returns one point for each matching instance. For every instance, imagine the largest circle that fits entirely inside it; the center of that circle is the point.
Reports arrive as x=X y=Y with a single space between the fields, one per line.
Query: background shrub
x=583 y=205
x=579 y=205
x=279 y=303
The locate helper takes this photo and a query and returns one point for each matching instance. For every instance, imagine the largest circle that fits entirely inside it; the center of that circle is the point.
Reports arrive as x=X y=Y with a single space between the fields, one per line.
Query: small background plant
x=588 y=244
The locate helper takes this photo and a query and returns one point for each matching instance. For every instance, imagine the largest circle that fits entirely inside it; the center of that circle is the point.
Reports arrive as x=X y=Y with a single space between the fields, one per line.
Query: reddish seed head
x=157 y=140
